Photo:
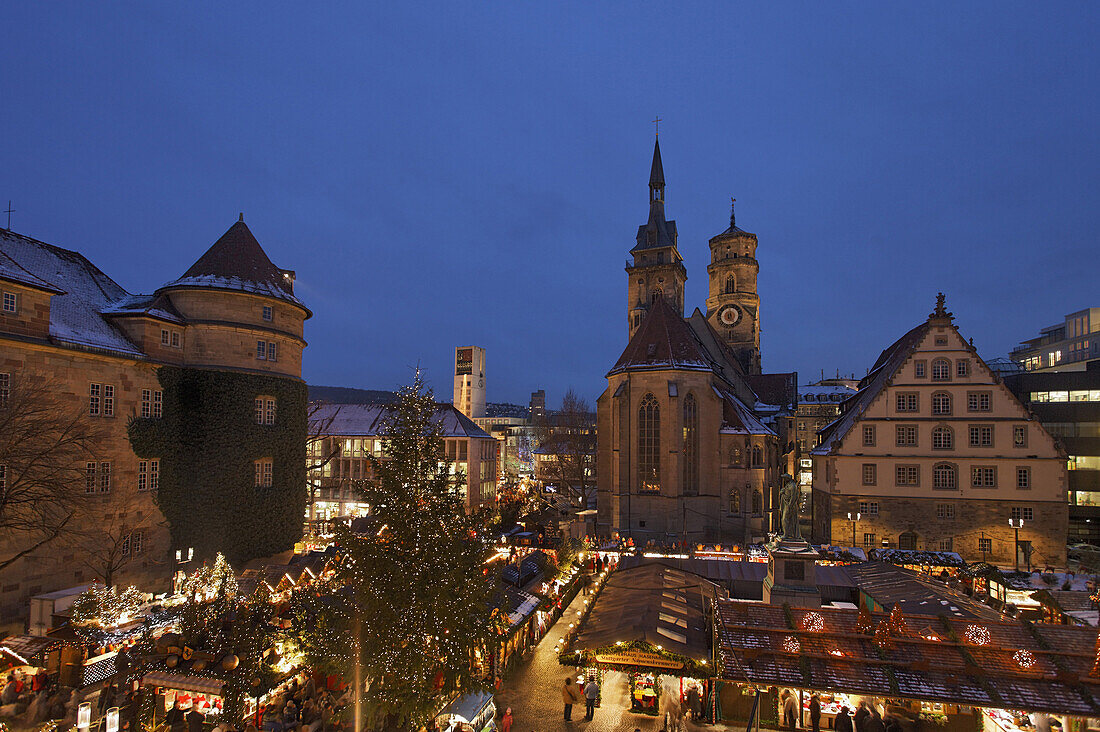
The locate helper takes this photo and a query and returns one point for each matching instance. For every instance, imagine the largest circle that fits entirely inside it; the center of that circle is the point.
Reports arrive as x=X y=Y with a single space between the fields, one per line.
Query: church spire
x=657 y=176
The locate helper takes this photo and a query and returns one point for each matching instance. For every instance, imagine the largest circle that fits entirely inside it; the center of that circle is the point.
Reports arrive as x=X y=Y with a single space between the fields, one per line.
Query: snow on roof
x=84 y=292
x=369 y=420
x=738 y=419
x=152 y=305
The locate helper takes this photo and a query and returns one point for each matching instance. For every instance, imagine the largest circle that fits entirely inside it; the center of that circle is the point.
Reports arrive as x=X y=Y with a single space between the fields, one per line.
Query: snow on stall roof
x=369 y=420
x=85 y=291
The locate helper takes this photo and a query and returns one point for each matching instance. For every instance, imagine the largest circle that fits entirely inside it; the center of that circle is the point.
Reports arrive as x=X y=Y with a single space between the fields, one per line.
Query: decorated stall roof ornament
x=977 y=634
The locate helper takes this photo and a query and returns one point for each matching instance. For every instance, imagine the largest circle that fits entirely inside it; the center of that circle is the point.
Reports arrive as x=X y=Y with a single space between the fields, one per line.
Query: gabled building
x=935 y=452
x=682 y=456
x=213 y=356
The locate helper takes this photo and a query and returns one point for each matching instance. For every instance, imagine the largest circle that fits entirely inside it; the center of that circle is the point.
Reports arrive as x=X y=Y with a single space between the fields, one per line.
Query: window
x=906 y=435
x=735 y=455
x=1023 y=512
x=944 y=477
x=89 y=477
x=868 y=540
x=757 y=503
x=870 y=474
x=907 y=475
x=3 y=477
x=164 y=337
x=941 y=370
x=941 y=403
x=265 y=410
x=691 y=446
x=95 y=399
x=1019 y=435
x=945 y=510
x=268 y=313
x=175 y=339
x=146 y=403
x=108 y=400
x=918 y=369
x=1023 y=478
x=985 y=544
x=731 y=285
x=132 y=543
x=97 y=477
x=868 y=508
x=982 y=476
x=757 y=457
x=649 y=445
x=979 y=401
x=962 y=367
x=104 y=477
x=942 y=438
x=263 y=470
x=908 y=401
x=735 y=501
x=271 y=351
x=868 y=435
x=981 y=435
x=261 y=350
x=947 y=545
x=143 y=475
x=11 y=302
x=908 y=540
x=5 y=389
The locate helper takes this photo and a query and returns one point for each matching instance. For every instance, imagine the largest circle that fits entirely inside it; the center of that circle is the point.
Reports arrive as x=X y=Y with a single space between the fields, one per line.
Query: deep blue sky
x=474 y=173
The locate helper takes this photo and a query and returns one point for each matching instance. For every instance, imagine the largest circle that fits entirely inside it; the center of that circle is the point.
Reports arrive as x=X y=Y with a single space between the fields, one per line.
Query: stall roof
x=1003 y=664
x=919 y=557
x=890 y=585
x=654 y=603
x=27 y=647
x=727 y=572
x=183 y=682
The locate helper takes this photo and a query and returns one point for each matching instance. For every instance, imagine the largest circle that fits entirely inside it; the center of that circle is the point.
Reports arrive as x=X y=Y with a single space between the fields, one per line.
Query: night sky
x=474 y=173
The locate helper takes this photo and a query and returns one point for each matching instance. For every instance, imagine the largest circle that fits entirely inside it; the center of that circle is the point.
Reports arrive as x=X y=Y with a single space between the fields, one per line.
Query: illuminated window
x=1019 y=435
x=691 y=446
x=263 y=473
x=649 y=445
x=941 y=370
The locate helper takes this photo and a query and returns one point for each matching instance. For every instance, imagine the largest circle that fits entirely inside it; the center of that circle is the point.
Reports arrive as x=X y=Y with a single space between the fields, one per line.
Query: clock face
x=729 y=316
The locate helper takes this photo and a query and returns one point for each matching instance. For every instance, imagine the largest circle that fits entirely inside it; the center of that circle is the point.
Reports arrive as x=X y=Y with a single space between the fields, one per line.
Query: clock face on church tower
x=729 y=316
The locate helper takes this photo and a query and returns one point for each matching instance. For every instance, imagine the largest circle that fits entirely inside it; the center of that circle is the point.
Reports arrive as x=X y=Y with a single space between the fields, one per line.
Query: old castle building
x=934 y=452
x=681 y=455
x=195 y=392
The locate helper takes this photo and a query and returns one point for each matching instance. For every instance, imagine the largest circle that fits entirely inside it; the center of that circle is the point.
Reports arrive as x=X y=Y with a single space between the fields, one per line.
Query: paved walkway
x=533 y=691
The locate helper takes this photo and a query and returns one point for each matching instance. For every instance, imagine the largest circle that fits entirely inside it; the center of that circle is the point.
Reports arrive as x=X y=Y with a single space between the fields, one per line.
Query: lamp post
x=1016 y=525
x=853 y=518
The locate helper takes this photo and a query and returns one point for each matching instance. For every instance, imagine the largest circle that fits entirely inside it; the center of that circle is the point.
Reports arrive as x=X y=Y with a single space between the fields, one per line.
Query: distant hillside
x=503 y=409
x=347 y=395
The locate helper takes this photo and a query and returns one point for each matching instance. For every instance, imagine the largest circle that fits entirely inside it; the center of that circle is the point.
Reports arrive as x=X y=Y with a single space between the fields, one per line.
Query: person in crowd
x=591 y=693
x=10 y=693
x=843 y=722
x=506 y=721
x=874 y=722
x=860 y=719
x=174 y=719
x=815 y=712
x=570 y=695
x=790 y=710
x=195 y=720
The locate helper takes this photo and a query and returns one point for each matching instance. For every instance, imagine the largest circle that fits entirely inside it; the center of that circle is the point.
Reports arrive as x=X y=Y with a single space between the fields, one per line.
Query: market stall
x=473 y=712
x=187 y=692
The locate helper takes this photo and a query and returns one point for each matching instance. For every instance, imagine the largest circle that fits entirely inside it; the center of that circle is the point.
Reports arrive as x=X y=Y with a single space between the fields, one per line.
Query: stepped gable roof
x=664 y=341
x=81 y=292
x=153 y=306
x=368 y=420
x=887 y=364
x=237 y=262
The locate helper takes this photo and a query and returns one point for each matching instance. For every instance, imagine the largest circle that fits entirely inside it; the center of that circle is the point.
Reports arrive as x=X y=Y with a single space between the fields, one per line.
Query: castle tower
x=733 y=307
x=658 y=269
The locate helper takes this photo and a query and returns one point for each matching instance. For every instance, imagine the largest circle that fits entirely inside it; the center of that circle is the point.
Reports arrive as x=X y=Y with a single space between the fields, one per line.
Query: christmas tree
x=407 y=609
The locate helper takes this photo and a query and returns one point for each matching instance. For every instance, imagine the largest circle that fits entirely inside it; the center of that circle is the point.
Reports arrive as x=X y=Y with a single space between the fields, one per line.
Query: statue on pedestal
x=788 y=510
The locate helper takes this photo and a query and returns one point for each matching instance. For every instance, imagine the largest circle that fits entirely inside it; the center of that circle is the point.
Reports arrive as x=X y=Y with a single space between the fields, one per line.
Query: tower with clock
x=733 y=305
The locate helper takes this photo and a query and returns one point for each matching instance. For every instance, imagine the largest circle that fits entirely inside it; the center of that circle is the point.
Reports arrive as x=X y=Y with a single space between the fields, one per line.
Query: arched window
x=657 y=294
x=691 y=446
x=945 y=477
x=649 y=445
x=757 y=503
x=941 y=403
x=731 y=285
x=941 y=370
x=943 y=438
x=735 y=500
x=908 y=540
x=757 y=457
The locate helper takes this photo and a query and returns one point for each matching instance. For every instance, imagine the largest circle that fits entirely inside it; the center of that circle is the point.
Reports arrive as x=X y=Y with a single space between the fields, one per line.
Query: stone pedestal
x=792 y=575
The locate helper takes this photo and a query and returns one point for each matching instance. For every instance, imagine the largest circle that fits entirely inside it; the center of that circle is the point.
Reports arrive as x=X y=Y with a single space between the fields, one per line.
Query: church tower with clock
x=733 y=305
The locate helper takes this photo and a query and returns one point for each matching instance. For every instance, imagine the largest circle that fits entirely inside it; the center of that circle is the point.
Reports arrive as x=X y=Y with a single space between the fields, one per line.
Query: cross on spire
x=9 y=212
x=657 y=127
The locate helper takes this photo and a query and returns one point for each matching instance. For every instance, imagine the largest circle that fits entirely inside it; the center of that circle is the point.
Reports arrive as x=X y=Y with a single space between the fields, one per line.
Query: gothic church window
x=649 y=445
x=731 y=285
x=757 y=503
x=735 y=501
x=691 y=446
x=757 y=457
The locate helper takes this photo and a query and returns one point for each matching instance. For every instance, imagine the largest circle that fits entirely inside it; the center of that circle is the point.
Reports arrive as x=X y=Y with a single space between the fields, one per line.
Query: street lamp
x=853 y=518
x=1016 y=525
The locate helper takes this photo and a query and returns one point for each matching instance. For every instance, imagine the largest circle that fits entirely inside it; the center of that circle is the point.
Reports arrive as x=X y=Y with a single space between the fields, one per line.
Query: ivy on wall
x=207 y=442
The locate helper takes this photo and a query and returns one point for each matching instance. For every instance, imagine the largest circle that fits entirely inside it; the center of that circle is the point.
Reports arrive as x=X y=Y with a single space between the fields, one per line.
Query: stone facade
x=80 y=332
x=934 y=452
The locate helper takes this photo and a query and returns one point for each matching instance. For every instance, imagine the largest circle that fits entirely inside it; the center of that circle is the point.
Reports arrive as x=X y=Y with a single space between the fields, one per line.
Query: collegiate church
x=689 y=443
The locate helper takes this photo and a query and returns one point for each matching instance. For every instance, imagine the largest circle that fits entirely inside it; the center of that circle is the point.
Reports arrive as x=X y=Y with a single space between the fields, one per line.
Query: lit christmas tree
x=407 y=610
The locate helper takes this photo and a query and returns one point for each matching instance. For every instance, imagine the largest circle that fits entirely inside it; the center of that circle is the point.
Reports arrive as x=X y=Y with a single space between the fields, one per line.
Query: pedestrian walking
x=790 y=710
x=195 y=720
x=874 y=723
x=506 y=721
x=859 y=721
x=843 y=722
x=570 y=695
x=815 y=712
x=591 y=693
